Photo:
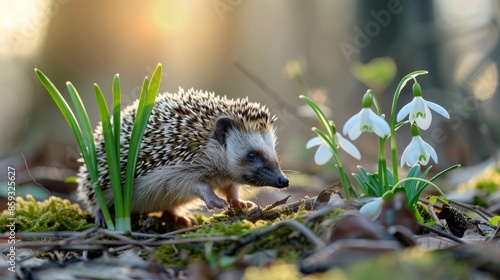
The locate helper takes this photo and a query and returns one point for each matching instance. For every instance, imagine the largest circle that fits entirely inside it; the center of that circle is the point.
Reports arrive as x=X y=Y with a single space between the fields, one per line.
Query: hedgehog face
x=251 y=156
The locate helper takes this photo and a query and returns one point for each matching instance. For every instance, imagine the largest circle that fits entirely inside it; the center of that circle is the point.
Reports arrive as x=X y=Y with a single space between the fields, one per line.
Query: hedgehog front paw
x=208 y=195
x=216 y=202
x=236 y=203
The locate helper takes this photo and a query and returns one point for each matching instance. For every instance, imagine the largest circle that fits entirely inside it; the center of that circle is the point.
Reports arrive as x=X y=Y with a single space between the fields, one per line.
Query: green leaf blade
x=87 y=134
x=147 y=99
x=408 y=78
x=113 y=159
x=320 y=114
x=117 y=96
x=65 y=110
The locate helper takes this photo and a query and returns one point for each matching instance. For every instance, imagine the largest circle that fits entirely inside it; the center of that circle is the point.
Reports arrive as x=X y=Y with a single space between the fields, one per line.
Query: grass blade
x=323 y=137
x=75 y=128
x=65 y=110
x=117 y=96
x=88 y=137
x=134 y=147
x=146 y=102
x=409 y=186
x=361 y=184
x=113 y=163
x=319 y=113
x=154 y=85
x=444 y=172
x=421 y=185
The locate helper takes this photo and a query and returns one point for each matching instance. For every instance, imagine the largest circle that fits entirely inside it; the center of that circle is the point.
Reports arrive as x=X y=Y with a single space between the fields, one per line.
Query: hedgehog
x=197 y=145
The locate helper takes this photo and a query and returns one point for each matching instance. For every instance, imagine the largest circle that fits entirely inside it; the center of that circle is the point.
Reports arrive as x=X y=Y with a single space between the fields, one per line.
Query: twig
x=475 y=208
x=309 y=234
x=494 y=235
x=444 y=234
x=436 y=218
x=93 y=245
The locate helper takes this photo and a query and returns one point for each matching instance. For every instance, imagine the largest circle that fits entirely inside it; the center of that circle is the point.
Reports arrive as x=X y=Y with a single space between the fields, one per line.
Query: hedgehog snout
x=281 y=182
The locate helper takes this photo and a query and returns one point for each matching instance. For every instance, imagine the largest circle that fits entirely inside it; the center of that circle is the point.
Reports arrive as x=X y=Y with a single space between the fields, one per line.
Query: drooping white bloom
x=419 y=111
x=366 y=120
x=324 y=152
x=372 y=209
x=418 y=151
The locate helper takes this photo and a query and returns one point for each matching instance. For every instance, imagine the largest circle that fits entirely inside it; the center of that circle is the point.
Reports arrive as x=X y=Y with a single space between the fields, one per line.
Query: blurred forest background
x=204 y=45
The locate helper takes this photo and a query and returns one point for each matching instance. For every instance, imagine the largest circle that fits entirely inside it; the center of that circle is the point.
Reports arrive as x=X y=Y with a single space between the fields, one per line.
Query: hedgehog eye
x=251 y=156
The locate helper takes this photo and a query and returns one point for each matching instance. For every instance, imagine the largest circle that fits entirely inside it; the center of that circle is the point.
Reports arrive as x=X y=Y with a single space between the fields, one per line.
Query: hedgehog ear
x=222 y=126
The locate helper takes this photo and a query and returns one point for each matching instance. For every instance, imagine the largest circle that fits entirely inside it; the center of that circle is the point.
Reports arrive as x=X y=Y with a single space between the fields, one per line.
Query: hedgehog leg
x=233 y=197
x=99 y=217
x=207 y=194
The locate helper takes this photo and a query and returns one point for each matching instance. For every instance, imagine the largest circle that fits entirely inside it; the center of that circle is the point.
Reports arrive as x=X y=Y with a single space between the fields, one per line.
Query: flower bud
x=417 y=90
x=414 y=130
x=367 y=99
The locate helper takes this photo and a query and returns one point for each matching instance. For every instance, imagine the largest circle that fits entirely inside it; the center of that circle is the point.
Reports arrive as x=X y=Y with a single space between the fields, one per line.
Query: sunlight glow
x=23 y=24
x=14 y=13
x=170 y=16
x=485 y=85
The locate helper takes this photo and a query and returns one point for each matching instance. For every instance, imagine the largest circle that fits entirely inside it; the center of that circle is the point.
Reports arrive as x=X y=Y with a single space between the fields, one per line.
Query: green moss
x=183 y=254
x=229 y=215
x=53 y=214
x=289 y=245
x=424 y=212
x=223 y=229
x=180 y=255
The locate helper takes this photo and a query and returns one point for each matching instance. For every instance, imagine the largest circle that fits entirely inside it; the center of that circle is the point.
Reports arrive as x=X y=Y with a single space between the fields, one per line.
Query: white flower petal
x=379 y=125
x=418 y=151
x=323 y=155
x=411 y=153
x=421 y=114
x=355 y=131
x=418 y=109
x=378 y=131
x=422 y=154
x=365 y=121
x=430 y=150
x=372 y=209
x=350 y=123
x=347 y=146
x=423 y=158
x=405 y=110
x=315 y=141
x=438 y=109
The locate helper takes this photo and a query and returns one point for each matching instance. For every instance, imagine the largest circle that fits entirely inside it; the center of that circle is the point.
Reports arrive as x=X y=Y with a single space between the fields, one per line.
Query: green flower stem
x=392 y=123
x=382 y=163
x=400 y=184
x=346 y=184
x=382 y=167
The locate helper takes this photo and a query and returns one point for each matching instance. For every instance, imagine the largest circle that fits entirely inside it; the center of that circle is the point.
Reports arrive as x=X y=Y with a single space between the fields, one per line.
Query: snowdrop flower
x=372 y=209
x=324 y=152
x=418 y=150
x=419 y=111
x=366 y=120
